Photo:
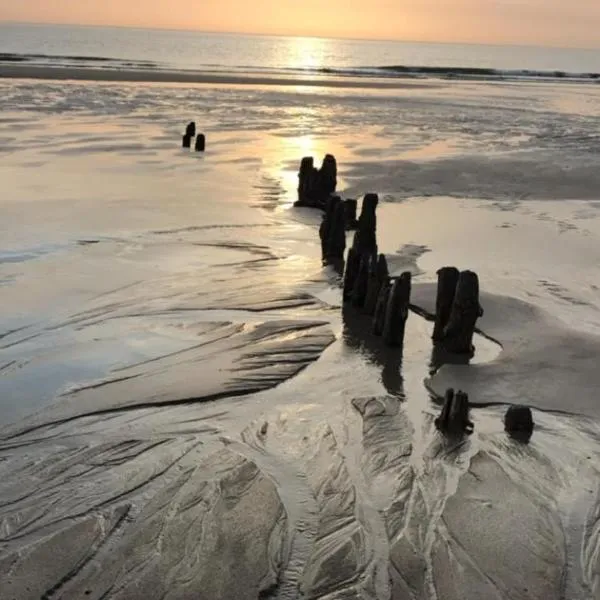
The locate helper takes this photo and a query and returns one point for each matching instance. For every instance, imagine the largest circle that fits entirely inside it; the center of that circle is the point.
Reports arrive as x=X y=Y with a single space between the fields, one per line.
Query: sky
x=574 y=23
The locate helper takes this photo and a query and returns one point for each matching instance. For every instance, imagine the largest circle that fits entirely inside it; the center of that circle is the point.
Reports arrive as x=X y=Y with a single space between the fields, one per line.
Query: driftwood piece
x=359 y=291
x=454 y=418
x=378 y=276
x=446 y=290
x=381 y=307
x=396 y=311
x=350 y=207
x=458 y=333
x=518 y=422
x=350 y=273
x=200 y=142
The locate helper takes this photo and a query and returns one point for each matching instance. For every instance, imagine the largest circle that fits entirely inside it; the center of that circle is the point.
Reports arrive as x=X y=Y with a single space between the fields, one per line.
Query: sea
x=126 y=48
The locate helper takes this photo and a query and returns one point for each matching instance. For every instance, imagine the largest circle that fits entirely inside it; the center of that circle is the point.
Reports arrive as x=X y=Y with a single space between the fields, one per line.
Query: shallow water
x=178 y=379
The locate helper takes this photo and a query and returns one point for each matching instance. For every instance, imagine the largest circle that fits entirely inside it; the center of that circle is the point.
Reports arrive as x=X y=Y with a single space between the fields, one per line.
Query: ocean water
x=152 y=49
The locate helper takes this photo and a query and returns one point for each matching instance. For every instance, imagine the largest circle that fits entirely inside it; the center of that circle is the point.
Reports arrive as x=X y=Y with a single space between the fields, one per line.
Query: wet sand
x=188 y=411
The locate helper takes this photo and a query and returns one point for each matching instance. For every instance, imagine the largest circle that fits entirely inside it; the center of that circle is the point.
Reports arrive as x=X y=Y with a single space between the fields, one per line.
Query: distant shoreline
x=195 y=77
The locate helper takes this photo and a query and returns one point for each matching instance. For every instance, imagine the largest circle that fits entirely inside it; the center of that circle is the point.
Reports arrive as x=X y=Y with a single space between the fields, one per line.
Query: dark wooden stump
x=200 y=142
x=316 y=185
x=454 y=418
x=378 y=276
x=518 y=423
x=190 y=130
x=381 y=307
x=446 y=290
x=350 y=273
x=327 y=226
x=337 y=234
x=328 y=176
x=458 y=334
x=397 y=310
x=351 y=207
x=366 y=238
x=359 y=291
x=187 y=141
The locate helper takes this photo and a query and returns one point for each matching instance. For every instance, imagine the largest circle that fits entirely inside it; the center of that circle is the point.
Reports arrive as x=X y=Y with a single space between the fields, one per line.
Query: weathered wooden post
x=518 y=423
x=190 y=130
x=396 y=312
x=200 y=142
x=458 y=333
x=351 y=206
x=366 y=238
x=187 y=141
x=446 y=290
x=327 y=224
x=381 y=307
x=337 y=234
x=378 y=276
x=350 y=273
x=327 y=177
x=454 y=418
x=304 y=175
x=359 y=291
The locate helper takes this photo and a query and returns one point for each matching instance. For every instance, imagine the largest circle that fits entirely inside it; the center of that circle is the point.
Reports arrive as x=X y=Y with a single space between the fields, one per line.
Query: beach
x=187 y=408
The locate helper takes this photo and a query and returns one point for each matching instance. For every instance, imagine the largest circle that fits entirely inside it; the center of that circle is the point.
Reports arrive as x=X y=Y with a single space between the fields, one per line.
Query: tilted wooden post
x=397 y=310
x=446 y=290
x=458 y=333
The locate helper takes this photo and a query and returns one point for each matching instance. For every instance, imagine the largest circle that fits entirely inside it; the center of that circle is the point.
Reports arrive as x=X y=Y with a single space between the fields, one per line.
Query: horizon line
x=296 y=35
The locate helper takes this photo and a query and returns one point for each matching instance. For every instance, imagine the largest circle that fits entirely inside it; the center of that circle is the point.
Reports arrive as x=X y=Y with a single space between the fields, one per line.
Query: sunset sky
x=539 y=22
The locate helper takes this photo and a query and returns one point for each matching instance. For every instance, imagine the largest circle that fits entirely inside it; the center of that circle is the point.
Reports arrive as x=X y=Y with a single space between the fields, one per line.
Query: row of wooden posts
x=190 y=134
x=370 y=289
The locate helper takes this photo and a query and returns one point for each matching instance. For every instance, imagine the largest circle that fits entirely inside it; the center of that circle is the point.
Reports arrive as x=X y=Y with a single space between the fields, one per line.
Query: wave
x=384 y=72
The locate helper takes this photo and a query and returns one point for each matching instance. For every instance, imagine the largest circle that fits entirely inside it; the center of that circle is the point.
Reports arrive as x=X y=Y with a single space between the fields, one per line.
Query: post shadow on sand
x=358 y=335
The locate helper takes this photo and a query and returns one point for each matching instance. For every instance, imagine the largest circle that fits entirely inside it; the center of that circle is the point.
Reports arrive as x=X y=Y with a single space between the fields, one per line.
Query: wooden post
x=359 y=291
x=352 y=265
x=327 y=225
x=458 y=334
x=518 y=423
x=397 y=310
x=454 y=418
x=378 y=276
x=351 y=222
x=337 y=234
x=190 y=130
x=446 y=290
x=366 y=240
x=327 y=177
x=381 y=307
x=200 y=142
x=187 y=141
x=306 y=168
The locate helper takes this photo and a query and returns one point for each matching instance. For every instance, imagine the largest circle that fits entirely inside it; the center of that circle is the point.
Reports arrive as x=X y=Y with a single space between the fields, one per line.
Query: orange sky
x=543 y=22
